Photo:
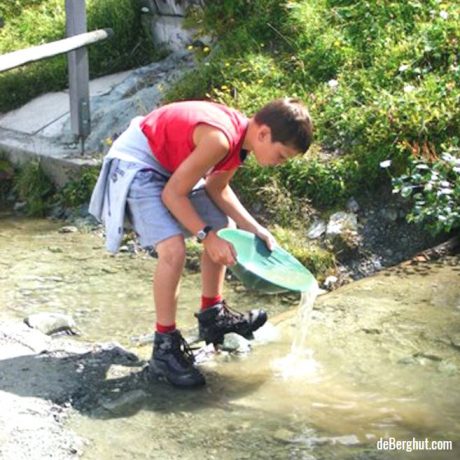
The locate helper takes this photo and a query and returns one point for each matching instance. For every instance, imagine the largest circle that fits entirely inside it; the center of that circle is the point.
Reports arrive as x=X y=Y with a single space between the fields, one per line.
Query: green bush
x=435 y=190
x=34 y=187
x=78 y=191
x=34 y=22
x=6 y=177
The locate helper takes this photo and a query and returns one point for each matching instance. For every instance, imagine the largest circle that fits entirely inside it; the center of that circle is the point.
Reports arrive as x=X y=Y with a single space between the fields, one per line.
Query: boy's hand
x=268 y=238
x=220 y=251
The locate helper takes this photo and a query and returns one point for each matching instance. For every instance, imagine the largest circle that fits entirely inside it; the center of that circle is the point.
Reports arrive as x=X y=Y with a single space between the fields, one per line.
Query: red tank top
x=169 y=131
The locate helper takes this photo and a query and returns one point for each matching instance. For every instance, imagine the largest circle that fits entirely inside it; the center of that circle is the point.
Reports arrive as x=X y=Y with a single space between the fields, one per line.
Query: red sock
x=166 y=329
x=207 y=302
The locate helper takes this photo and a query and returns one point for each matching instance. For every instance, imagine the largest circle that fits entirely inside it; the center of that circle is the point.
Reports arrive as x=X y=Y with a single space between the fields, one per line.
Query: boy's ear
x=264 y=133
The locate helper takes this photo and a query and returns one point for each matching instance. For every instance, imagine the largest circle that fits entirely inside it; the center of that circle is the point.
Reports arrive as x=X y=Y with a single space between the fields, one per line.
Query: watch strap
x=203 y=233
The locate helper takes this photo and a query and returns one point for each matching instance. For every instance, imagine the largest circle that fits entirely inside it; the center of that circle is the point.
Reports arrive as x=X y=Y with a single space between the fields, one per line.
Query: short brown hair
x=289 y=121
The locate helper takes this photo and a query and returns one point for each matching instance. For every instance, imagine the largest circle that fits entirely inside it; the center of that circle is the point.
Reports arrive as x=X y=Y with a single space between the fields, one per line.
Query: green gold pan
x=267 y=271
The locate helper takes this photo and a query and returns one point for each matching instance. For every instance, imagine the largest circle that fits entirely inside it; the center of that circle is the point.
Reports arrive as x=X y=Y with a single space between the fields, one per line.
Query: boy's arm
x=218 y=188
x=211 y=147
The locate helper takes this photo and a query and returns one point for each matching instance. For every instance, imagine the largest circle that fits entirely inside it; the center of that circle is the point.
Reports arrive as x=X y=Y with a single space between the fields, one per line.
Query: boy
x=171 y=171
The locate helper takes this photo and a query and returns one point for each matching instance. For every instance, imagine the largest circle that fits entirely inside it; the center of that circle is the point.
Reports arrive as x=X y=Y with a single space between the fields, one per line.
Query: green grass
x=320 y=261
x=35 y=22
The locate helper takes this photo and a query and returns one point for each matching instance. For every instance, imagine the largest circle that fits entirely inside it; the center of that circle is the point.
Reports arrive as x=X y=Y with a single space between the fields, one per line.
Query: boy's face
x=268 y=153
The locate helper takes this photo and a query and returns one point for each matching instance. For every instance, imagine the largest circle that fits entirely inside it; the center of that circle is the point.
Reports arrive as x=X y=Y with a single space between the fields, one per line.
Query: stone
x=345 y=244
x=352 y=205
x=19 y=206
x=171 y=7
x=330 y=281
x=455 y=339
x=115 y=100
x=448 y=368
x=126 y=402
x=432 y=356
x=341 y=221
x=342 y=235
x=236 y=343
x=52 y=323
x=346 y=440
x=283 y=435
x=117 y=371
x=168 y=31
x=143 y=339
x=407 y=360
x=390 y=214
x=68 y=229
x=316 y=229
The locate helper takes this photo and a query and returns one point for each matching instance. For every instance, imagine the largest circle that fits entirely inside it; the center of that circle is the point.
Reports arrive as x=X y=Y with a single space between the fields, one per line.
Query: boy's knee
x=172 y=251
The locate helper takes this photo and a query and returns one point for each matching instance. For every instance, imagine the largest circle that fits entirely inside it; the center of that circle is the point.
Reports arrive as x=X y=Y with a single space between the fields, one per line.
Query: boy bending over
x=171 y=171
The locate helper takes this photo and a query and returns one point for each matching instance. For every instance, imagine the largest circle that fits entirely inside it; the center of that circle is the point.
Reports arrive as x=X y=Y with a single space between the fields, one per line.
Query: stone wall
x=163 y=21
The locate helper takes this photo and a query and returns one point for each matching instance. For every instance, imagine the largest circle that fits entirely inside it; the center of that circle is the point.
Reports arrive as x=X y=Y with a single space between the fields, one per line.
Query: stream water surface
x=378 y=359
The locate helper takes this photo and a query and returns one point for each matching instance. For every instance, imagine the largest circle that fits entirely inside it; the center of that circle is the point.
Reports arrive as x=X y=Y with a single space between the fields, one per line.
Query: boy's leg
x=212 y=277
x=172 y=359
x=171 y=259
x=215 y=319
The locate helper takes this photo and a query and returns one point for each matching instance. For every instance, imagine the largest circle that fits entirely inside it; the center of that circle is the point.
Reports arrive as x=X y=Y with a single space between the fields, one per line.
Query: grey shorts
x=151 y=219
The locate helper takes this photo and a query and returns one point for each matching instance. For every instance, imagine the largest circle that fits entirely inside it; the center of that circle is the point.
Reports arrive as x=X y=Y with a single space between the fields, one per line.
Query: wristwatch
x=203 y=233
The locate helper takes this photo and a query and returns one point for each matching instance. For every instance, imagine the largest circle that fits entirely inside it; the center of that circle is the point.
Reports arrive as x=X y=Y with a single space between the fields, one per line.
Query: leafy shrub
x=34 y=187
x=78 y=191
x=435 y=191
x=6 y=177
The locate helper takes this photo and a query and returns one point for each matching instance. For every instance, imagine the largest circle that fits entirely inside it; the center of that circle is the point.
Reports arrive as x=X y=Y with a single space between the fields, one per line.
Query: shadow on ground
x=103 y=381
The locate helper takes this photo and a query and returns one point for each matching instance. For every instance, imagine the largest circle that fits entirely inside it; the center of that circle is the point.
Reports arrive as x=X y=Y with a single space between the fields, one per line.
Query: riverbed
x=381 y=360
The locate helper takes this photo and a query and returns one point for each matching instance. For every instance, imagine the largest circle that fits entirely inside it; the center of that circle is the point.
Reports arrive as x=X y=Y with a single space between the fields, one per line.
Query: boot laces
x=183 y=352
x=231 y=316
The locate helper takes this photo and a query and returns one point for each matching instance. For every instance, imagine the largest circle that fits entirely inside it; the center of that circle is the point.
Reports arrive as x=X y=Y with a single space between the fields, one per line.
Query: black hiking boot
x=173 y=361
x=218 y=320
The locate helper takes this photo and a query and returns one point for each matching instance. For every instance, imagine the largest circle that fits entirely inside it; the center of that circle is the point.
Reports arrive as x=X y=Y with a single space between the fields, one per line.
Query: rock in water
x=126 y=403
x=52 y=323
x=236 y=343
x=68 y=229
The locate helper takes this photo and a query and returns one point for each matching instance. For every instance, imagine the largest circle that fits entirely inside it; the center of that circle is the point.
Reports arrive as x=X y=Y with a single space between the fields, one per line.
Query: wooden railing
x=36 y=53
x=75 y=45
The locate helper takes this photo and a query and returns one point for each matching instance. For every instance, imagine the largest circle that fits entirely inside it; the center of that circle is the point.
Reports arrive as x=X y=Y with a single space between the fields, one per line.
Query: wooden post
x=78 y=72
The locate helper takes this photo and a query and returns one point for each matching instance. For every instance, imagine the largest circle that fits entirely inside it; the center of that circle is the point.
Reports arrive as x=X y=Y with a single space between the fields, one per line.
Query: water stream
x=300 y=362
x=379 y=359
